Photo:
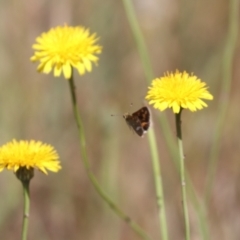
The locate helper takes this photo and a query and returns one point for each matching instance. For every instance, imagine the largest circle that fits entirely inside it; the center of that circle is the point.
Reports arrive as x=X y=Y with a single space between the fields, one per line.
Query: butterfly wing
x=143 y=115
x=135 y=123
x=139 y=121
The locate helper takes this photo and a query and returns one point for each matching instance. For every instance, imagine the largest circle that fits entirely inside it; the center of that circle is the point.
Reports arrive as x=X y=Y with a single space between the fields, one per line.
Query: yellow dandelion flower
x=178 y=90
x=64 y=48
x=29 y=154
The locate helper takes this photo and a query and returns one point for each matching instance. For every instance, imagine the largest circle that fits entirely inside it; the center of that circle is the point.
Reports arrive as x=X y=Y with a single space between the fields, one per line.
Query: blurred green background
x=185 y=35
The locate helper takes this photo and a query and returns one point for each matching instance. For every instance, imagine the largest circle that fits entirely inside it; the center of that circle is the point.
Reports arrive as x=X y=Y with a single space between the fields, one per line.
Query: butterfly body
x=139 y=121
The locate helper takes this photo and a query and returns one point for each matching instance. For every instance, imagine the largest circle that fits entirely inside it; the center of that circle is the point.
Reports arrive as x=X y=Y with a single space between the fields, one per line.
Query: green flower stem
x=227 y=67
x=142 y=49
x=26 y=209
x=167 y=134
x=135 y=227
x=192 y=194
x=158 y=184
x=182 y=175
x=151 y=136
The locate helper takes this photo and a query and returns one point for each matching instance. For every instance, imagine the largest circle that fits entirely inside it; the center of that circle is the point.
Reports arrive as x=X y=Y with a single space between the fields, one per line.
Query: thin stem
x=26 y=209
x=135 y=227
x=158 y=184
x=151 y=136
x=192 y=194
x=227 y=66
x=142 y=49
x=182 y=175
x=167 y=134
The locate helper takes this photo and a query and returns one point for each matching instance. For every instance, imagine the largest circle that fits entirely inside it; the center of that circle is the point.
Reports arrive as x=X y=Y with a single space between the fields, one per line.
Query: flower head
x=64 y=48
x=178 y=90
x=29 y=154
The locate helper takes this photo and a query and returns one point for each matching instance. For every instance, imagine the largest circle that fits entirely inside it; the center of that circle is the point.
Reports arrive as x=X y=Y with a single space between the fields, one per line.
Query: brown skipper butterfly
x=139 y=121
